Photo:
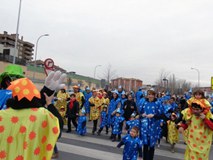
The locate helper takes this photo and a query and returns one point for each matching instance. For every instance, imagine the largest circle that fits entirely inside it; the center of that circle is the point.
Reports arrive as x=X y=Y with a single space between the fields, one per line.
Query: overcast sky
x=139 y=38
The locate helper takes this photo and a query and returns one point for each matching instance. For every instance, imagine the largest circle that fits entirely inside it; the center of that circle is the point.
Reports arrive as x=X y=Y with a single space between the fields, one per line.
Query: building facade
x=127 y=83
x=7 y=49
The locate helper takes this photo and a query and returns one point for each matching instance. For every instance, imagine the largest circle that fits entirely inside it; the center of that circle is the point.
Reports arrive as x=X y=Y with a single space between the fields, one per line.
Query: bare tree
x=109 y=74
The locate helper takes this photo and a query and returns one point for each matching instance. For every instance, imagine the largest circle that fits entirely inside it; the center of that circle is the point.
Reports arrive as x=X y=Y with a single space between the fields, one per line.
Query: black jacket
x=129 y=108
x=72 y=113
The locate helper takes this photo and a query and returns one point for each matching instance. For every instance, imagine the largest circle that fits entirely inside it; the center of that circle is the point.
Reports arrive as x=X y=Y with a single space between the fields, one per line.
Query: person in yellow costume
x=61 y=103
x=95 y=103
x=79 y=96
x=197 y=126
x=105 y=100
x=27 y=130
x=173 y=135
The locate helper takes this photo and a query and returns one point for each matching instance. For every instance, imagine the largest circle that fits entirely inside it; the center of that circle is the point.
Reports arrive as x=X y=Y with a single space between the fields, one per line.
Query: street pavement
x=92 y=147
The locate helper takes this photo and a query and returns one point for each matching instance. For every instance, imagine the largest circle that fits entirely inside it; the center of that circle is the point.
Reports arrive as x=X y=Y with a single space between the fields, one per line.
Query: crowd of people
x=136 y=120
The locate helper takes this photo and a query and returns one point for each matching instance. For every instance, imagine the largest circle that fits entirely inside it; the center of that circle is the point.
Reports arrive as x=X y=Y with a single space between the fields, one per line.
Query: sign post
x=48 y=65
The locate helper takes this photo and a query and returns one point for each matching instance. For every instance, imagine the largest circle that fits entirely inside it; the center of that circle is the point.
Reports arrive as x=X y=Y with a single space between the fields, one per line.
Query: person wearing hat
x=173 y=135
x=82 y=120
x=87 y=95
x=11 y=73
x=197 y=126
x=132 y=122
x=95 y=104
x=79 y=96
x=117 y=125
x=103 y=120
x=27 y=130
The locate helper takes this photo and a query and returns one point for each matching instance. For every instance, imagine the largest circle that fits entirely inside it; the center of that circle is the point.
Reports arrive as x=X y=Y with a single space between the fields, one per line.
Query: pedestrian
x=79 y=96
x=150 y=113
x=132 y=122
x=87 y=95
x=82 y=120
x=197 y=126
x=132 y=145
x=103 y=121
x=27 y=130
x=117 y=125
x=72 y=112
x=129 y=107
x=95 y=104
x=173 y=135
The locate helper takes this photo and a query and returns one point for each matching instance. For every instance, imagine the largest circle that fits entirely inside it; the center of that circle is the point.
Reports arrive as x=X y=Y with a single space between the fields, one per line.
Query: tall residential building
x=127 y=83
x=7 y=44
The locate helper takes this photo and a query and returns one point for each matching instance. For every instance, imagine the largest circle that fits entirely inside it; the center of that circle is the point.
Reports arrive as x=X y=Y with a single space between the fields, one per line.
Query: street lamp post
x=198 y=79
x=95 y=69
x=36 y=52
x=17 y=28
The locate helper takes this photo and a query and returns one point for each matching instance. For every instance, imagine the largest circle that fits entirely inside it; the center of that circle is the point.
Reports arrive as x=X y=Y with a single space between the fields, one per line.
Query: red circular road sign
x=49 y=63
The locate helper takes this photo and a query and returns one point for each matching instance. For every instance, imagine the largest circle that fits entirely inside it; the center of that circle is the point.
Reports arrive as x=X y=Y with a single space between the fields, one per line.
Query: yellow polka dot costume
x=27 y=134
x=198 y=136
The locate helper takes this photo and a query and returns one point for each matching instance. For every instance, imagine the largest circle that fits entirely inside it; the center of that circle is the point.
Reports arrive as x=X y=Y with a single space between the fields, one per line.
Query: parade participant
x=123 y=99
x=150 y=112
x=26 y=122
x=112 y=107
x=120 y=90
x=138 y=96
x=197 y=121
x=79 y=96
x=173 y=135
x=103 y=120
x=61 y=103
x=95 y=104
x=132 y=122
x=159 y=129
x=105 y=100
x=82 y=120
x=129 y=107
x=117 y=125
x=11 y=73
x=72 y=112
x=132 y=145
x=87 y=95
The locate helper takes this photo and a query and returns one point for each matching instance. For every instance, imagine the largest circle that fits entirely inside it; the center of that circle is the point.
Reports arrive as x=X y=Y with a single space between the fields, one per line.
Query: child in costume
x=27 y=130
x=132 y=122
x=117 y=125
x=82 y=120
x=197 y=126
x=173 y=135
x=103 y=121
x=132 y=145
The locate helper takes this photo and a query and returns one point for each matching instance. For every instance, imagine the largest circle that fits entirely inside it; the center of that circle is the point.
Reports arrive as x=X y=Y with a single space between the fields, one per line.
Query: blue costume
x=112 y=107
x=86 y=104
x=132 y=146
x=117 y=125
x=5 y=95
x=103 y=119
x=138 y=96
x=132 y=123
x=81 y=129
x=149 y=125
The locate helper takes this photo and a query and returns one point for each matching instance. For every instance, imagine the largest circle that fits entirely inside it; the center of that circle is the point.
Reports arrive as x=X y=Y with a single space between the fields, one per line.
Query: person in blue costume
x=103 y=121
x=120 y=90
x=87 y=96
x=150 y=113
x=82 y=120
x=132 y=145
x=159 y=135
x=173 y=104
x=132 y=122
x=138 y=96
x=11 y=73
x=113 y=106
x=123 y=99
x=188 y=95
x=117 y=125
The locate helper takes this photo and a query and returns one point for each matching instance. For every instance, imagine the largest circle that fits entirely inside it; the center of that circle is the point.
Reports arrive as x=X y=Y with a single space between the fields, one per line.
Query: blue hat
x=118 y=110
x=119 y=86
x=123 y=92
x=87 y=88
x=190 y=90
x=133 y=114
x=83 y=111
x=115 y=91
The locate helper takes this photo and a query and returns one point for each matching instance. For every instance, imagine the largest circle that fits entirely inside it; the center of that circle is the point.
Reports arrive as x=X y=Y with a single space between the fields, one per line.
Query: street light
x=95 y=69
x=36 y=52
x=198 y=72
x=17 y=28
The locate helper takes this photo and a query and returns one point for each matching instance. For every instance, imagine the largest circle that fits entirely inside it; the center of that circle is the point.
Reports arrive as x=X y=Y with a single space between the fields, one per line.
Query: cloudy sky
x=139 y=38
